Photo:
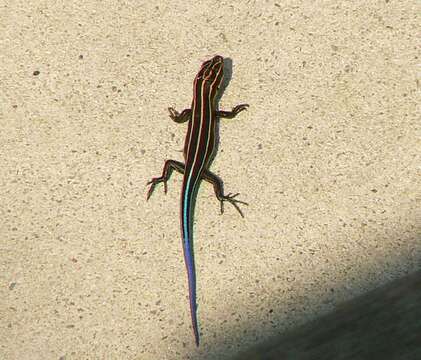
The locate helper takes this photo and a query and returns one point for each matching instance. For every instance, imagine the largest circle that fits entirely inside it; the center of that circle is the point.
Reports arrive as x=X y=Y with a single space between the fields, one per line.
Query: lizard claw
x=237 y=109
x=153 y=183
x=231 y=199
x=173 y=113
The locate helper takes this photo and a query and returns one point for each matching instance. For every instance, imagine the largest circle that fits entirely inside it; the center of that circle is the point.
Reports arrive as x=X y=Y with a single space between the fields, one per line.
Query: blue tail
x=192 y=288
x=188 y=255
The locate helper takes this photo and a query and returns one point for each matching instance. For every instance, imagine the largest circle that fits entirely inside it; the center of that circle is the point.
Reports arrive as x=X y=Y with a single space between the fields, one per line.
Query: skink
x=199 y=148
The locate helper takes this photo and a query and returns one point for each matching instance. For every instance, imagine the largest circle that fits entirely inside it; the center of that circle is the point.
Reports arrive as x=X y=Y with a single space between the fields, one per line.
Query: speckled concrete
x=328 y=157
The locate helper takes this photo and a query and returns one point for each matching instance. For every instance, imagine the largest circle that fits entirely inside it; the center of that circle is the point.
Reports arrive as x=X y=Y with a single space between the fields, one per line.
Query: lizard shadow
x=225 y=81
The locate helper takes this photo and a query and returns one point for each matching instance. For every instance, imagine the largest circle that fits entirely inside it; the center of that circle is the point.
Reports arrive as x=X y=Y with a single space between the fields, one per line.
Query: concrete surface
x=327 y=156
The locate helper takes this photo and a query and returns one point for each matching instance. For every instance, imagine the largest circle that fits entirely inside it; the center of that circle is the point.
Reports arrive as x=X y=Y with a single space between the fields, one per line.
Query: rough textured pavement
x=327 y=156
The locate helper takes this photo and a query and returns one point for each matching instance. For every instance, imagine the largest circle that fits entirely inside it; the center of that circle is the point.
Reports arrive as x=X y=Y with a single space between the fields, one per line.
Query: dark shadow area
x=385 y=323
x=382 y=323
x=227 y=78
x=225 y=81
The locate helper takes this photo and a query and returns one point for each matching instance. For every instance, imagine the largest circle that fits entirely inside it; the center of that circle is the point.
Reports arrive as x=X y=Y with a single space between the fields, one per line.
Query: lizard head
x=212 y=71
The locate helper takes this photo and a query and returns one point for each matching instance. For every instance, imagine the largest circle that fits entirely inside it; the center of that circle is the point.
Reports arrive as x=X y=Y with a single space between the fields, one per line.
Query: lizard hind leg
x=169 y=166
x=219 y=192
